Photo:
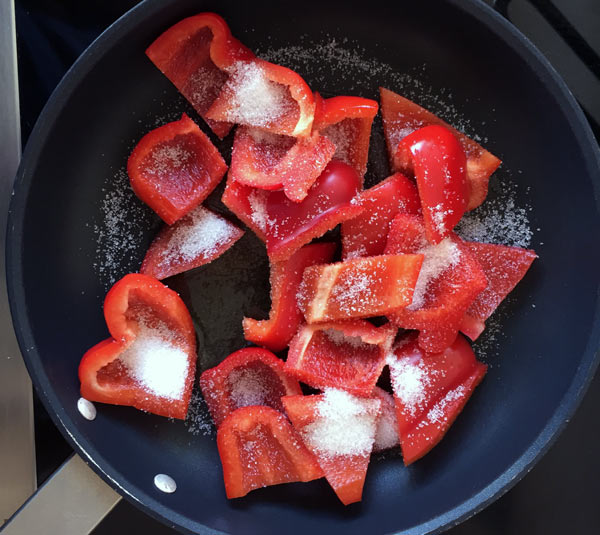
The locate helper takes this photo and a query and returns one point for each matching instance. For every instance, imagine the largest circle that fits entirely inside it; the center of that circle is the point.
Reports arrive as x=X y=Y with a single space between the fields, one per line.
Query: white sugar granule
x=156 y=364
x=437 y=413
x=409 y=381
x=247 y=387
x=257 y=101
x=165 y=158
x=198 y=420
x=344 y=425
x=437 y=259
x=202 y=237
x=258 y=206
x=386 y=434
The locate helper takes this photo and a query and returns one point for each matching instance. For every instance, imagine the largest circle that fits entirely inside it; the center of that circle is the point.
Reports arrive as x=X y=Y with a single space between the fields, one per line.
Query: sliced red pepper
x=258 y=448
x=366 y=234
x=504 y=267
x=386 y=434
x=249 y=205
x=438 y=162
x=150 y=360
x=359 y=287
x=401 y=117
x=430 y=390
x=347 y=122
x=270 y=161
x=285 y=317
x=194 y=240
x=449 y=281
x=250 y=376
x=340 y=430
x=195 y=55
x=267 y=96
x=174 y=167
x=345 y=355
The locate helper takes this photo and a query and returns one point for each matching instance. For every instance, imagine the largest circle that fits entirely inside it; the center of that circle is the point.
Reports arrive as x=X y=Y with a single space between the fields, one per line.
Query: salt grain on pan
x=201 y=237
x=165 y=483
x=156 y=364
x=86 y=408
x=344 y=424
x=246 y=387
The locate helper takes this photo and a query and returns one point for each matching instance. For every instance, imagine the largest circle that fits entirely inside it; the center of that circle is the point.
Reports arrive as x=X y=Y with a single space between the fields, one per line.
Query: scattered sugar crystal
x=156 y=363
x=437 y=259
x=386 y=434
x=344 y=424
x=204 y=234
x=437 y=413
x=258 y=206
x=409 y=381
x=198 y=420
x=165 y=158
x=247 y=387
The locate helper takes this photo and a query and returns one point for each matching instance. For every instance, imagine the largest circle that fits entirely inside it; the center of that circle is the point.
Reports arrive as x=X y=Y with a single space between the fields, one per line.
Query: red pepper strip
x=366 y=234
x=504 y=267
x=135 y=305
x=341 y=439
x=285 y=317
x=195 y=55
x=430 y=391
x=345 y=355
x=270 y=161
x=438 y=163
x=248 y=204
x=266 y=96
x=250 y=376
x=402 y=117
x=194 y=240
x=174 y=168
x=347 y=122
x=258 y=448
x=386 y=435
x=449 y=281
x=359 y=288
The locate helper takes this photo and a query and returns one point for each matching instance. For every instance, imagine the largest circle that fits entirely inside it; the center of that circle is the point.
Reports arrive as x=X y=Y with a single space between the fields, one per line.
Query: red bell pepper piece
x=366 y=234
x=174 y=168
x=438 y=162
x=285 y=317
x=359 y=288
x=259 y=447
x=340 y=430
x=347 y=122
x=250 y=376
x=196 y=55
x=401 y=117
x=449 y=281
x=267 y=96
x=345 y=355
x=504 y=267
x=249 y=205
x=430 y=390
x=150 y=360
x=197 y=239
x=270 y=161
x=386 y=434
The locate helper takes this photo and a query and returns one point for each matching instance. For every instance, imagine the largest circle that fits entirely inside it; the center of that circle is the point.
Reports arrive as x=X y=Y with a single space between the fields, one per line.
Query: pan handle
x=73 y=501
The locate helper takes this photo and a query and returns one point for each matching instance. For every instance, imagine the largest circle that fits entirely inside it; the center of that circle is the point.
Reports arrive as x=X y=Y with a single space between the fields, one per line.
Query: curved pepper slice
x=150 y=360
x=347 y=122
x=195 y=55
x=359 y=288
x=285 y=316
x=345 y=355
x=504 y=267
x=449 y=281
x=267 y=96
x=340 y=430
x=402 y=117
x=270 y=161
x=259 y=447
x=194 y=240
x=430 y=391
x=438 y=162
x=174 y=168
x=250 y=376
x=366 y=234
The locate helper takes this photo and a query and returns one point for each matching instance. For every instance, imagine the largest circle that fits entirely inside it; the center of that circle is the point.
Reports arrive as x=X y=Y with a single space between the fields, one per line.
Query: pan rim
x=150 y=505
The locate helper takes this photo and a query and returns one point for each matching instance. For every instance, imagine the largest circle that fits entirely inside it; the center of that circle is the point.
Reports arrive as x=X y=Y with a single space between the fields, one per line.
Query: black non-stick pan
x=74 y=227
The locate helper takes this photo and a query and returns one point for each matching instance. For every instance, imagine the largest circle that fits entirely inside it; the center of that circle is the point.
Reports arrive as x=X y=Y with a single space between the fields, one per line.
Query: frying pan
x=60 y=257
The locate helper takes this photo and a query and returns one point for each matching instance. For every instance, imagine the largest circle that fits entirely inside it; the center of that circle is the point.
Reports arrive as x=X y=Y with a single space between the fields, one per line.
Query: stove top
x=560 y=494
